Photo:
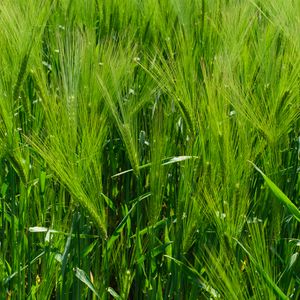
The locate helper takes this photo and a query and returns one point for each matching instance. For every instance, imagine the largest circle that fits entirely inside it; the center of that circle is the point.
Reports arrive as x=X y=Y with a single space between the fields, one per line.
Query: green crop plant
x=126 y=132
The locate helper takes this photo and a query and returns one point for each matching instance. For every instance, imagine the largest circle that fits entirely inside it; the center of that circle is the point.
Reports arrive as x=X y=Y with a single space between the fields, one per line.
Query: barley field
x=150 y=149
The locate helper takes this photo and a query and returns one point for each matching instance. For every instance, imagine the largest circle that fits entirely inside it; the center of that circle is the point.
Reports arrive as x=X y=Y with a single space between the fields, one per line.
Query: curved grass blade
x=113 y=293
x=81 y=275
x=280 y=194
x=168 y=161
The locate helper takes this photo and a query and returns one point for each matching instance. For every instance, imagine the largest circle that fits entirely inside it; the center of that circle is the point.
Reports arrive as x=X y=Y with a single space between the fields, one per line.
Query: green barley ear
x=17 y=166
x=123 y=128
x=131 y=149
x=25 y=103
x=68 y=176
x=40 y=84
x=188 y=116
x=21 y=76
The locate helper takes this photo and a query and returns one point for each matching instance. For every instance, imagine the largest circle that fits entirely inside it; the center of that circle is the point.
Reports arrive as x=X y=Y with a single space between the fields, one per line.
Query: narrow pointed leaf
x=280 y=194
x=82 y=276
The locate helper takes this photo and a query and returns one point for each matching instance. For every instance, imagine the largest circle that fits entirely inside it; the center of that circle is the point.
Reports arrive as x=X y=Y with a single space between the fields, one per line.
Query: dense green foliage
x=126 y=132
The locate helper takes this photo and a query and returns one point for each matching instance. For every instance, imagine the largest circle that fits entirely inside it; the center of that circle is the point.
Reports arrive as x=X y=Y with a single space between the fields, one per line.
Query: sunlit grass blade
x=82 y=276
x=167 y=161
x=113 y=293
